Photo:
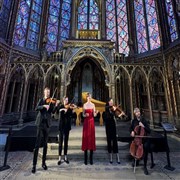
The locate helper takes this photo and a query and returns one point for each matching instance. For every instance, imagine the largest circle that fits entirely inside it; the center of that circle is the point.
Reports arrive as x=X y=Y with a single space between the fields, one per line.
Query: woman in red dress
x=88 y=139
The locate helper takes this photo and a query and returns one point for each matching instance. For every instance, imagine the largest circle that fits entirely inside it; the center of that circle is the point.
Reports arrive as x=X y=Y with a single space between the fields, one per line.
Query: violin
x=71 y=106
x=117 y=110
x=51 y=100
x=136 y=147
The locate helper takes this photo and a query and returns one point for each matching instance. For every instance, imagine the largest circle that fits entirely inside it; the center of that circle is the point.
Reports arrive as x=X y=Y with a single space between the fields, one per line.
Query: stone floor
x=20 y=163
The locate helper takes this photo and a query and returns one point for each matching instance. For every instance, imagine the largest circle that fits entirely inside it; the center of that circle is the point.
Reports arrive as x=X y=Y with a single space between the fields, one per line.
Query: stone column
x=174 y=98
x=73 y=28
x=20 y=96
x=149 y=104
x=12 y=94
x=168 y=99
x=131 y=98
x=23 y=103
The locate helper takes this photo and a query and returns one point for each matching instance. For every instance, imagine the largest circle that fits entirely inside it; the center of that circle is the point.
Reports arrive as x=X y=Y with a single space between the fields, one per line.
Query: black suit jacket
x=43 y=115
x=64 y=119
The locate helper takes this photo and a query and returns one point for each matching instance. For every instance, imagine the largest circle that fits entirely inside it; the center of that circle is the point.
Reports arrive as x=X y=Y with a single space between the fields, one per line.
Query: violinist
x=44 y=107
x=140 y=121
x=110 y=125
x=65 y=114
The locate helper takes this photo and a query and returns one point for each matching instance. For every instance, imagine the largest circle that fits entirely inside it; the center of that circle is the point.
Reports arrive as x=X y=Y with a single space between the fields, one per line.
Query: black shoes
x=44 y=166
x=33 y=169
x=59 y=162
x=91 y=162
x=145 y=171
x=66 y=161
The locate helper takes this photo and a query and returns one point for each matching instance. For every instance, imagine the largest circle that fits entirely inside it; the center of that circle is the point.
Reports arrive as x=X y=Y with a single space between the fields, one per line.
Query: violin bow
x=53 y=95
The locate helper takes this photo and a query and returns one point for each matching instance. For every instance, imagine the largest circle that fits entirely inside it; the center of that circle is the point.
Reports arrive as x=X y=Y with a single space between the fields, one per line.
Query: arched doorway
x=87 y=76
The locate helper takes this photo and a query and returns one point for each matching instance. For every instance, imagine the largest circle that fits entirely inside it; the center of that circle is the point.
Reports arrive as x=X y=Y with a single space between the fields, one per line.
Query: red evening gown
x=88 y=138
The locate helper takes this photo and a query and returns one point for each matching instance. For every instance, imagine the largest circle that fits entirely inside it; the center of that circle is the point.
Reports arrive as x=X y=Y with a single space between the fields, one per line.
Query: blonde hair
x=136 y=110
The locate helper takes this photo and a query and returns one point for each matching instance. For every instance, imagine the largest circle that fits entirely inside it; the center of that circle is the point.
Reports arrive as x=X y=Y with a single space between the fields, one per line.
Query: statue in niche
x=44 y=53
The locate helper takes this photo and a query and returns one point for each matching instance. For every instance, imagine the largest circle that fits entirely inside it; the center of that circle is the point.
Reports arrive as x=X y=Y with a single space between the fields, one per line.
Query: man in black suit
x=43 y=122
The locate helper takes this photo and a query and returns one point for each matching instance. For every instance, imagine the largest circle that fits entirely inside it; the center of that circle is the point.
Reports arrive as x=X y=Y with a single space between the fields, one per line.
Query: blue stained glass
x=58 y=28
x=171 y=20
x=27 y=26
x=153 y=28
x=22 y=23
x=34 y=27
x=140 y=26
x=91 y=19
x=122 y=25
x=83 y=15
x=117 y=25
x=110 y=20
x=53 y=23
x=65 y=21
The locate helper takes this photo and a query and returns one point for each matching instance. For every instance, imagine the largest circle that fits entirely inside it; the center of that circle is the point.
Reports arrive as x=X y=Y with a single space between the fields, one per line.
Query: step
x=79 y=154
x=78 y=144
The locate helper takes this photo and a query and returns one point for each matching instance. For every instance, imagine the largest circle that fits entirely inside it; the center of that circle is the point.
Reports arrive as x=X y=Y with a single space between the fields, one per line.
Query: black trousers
x=147 y=149
x=42 y=132
x=63 y=136
x=112 y=145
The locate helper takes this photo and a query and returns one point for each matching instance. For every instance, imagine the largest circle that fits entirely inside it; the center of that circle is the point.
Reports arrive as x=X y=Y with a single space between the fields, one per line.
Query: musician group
x=139 y=129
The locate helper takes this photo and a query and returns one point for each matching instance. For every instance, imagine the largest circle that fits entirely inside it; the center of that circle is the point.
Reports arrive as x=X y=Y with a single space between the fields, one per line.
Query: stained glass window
x=110 y=20
x=117 y=25
x=171 y=20
x=152 y=24
x=4 y=17
x=88 y=15
x=58 y=23
x=146 y=25
x=140 y=26
x=122 y=25
x=65 y=20
x=28 y=23
x=34 y=25
x=53 y=25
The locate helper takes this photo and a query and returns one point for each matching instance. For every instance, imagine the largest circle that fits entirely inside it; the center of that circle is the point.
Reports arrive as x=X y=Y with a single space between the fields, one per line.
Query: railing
x=88 y=34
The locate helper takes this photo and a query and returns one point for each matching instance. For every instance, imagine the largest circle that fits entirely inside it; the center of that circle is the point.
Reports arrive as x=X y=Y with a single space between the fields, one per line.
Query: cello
x=136 y=147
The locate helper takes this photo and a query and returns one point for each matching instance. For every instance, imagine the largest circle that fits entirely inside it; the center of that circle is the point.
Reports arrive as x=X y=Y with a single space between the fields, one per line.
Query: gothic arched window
x=4 y=16
x=171 y=20
x=27 y=26
x=58 y=23
x=117 y=25
x=146 y=25
x=88 y=15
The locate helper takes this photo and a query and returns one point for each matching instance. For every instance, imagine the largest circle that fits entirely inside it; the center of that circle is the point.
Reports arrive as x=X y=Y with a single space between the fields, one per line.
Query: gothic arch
x=15 y=89
x=139 y=69
x=92 y=53
x=35 y=68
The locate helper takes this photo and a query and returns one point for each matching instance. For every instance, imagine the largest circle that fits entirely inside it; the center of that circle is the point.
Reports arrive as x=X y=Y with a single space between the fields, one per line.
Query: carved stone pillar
x=131 y=98
x=73 y=28
x=20 y=96
x=174 y=99
x=168 y=100
x=149 y=104
x=24 y=99
x=12 y=94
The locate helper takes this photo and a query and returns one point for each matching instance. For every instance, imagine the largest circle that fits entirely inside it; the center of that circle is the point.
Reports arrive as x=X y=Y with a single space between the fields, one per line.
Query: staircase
x=75 y=142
